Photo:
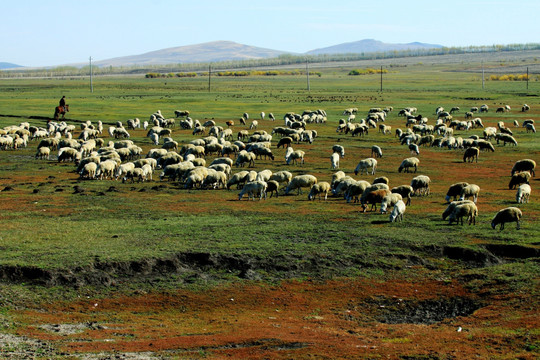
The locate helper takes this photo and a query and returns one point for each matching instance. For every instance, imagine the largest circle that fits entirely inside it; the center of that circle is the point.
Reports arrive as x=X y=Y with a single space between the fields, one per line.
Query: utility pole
x=307 y=74
x=381 y=78
x=209 y=71
x=527 y=78
x=91 y=84
x=483 y=75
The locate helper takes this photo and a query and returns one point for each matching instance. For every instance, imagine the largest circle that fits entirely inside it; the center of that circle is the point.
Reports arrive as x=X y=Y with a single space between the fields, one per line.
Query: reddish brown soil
x=297 y=319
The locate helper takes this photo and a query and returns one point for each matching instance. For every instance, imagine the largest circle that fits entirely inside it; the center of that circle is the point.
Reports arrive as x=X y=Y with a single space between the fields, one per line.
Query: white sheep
x=509 y=214
x=294 y=155
x=420 y=185
x=238 y=179
x=106 y=169
x=460 y=211
x=254 y=188
x=389 y=200
x=282 y=176
x=322 y=187
x=254 y=124
x=264 y=175
x=365 y=164
x=334 y=161
x=398 y=211
x=470 y=190
x=124 y=170
x=523 y=193
x=408 y=163
x=339 y=149
x=300 y=181
x=89 y=170
x=43 y=153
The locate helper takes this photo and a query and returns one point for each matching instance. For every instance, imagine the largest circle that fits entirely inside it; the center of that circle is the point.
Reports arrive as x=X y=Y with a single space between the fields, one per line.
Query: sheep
x=373 y=197
x=508 y=214
x=334 y=161
x=106 y=169
x=254 y=124
x=264 y=175
x=505 y=138
x=482 y=144
x=397 y=212
x=414 y=149
x=523 y=193
x=470 y=190
x=471 y=154
x=272 y=187
x=450 y=208
x=282 y=176
x=222 y=160
x=489 y=133
x=214 y=179
x=405 y=191
x=124 y=170
x=238 y=179
x=245 y=157
x=285 y=142
x=408 y=163
x=355 y=189
x=322 y=187
x=89 y=170
x=376 y=151
x=525 y=108
x=524 y=165
x=336 y=177
x=43 y=153
x=300 y=181
x=484 y=108
x=530 y=128
x=455 y=190
x=460 y=211
x=366 y=164
x=294 y=155
x=339 y=150
x=381 y=180
x=225 y=168
x=389 y=200
x=420 y=184
x=254 y=188
x=518 y=179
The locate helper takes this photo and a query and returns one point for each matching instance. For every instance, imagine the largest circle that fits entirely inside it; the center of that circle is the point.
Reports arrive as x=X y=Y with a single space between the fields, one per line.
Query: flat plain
x=97 y=269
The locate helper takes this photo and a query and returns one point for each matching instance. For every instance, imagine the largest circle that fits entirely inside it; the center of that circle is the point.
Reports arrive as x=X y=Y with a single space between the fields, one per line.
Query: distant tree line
x=285 y=59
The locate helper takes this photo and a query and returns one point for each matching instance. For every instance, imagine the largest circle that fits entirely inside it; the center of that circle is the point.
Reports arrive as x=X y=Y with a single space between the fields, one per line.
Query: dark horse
x=60 y=110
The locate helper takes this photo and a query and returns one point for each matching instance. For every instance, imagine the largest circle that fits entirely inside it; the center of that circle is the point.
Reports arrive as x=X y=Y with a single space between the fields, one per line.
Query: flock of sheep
x=120 y=158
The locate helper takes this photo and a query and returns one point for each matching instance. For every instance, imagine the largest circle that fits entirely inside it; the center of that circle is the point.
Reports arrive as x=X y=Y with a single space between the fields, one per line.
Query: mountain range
x=216 y=51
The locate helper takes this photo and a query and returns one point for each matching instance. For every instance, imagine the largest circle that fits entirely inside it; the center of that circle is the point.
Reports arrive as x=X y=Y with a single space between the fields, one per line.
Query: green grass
x=133 y=225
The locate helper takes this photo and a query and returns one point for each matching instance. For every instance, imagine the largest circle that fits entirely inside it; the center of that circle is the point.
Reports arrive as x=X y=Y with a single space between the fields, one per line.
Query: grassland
x=136 y=249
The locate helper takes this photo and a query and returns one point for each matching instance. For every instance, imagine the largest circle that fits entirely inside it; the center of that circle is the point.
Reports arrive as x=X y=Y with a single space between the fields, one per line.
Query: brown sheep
x=373 y=198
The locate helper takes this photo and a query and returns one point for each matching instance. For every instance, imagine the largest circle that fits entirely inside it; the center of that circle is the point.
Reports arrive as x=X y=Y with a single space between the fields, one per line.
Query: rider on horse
x=63 y=102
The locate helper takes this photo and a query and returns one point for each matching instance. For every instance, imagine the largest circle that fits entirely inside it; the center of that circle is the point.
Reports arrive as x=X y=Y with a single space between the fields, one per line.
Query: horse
x=60 y=110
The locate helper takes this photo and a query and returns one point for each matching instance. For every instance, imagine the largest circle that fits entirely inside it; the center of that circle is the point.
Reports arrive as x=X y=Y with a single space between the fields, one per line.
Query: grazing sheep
x=320 y=188
x=43 y=153
x=254 y=124
x=376 y=151
x=505 y=138
x=300 y=181
x=222 y=160
x=484 y=145
x=254 y=188
x=294 y=155
x=414 y=149
x=245 y=157
x=524 y=165
x=397 y=212
x=405 y=191
x=523 y=193
x=408 y=163
x=336 y=177
x=508 y=214
x=106 y=169
x=470 y=190
x=530 y=128
x=450 y=208
x=334 y=161
x=364 y=165
x=527 y=121
x=460 y=211
x=89 y=170
x=282 y=176
x=389 y=200
x=373 y=198
x=381 y=180
x=455 y=190
x=420 y=185
x=355 y=189
x=525 y=108
x=238 y=179
x=518 y=179
x=285 y=142
x=471 y=154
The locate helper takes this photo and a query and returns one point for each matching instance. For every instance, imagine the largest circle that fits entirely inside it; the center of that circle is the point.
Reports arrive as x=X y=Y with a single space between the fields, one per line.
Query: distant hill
x=206 y=52
x=6 y=65
x=370 y=45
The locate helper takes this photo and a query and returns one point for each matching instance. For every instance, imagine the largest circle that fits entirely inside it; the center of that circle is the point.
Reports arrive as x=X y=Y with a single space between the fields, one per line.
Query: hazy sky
x=49 y=32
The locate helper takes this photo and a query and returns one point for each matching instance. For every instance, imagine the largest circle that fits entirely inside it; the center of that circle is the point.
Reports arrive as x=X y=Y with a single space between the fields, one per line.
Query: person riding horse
x=63 y=102
x=62 y=109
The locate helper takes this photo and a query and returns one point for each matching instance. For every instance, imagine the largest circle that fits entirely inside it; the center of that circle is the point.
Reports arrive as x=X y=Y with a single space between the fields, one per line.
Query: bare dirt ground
x=346 y=318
